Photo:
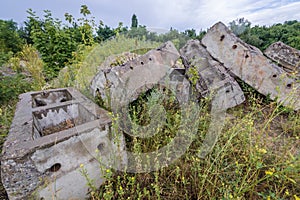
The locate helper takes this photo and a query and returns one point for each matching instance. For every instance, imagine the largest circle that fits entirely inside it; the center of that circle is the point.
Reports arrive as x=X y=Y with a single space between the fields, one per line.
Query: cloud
x=269 y=16
x=163 y=14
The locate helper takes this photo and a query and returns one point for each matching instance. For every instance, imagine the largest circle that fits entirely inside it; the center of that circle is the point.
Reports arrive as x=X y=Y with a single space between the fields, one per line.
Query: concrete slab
x=250 y=65
x=286 y=56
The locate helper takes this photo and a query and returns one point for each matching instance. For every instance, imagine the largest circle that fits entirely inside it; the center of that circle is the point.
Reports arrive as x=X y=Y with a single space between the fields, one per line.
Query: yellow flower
x=108 y=170
x=81 y=165
x=270 y=171
x=121 y=188
x=268 y=198
x=287 y=192
x=296 y=198
x=230 y=196
x=263 y=151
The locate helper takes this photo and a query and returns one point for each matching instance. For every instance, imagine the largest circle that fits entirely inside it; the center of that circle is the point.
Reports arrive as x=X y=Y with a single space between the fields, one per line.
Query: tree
x=191 y=33
x=239 y=26
x=10 y=41
x=134 y=21
x=104 y=32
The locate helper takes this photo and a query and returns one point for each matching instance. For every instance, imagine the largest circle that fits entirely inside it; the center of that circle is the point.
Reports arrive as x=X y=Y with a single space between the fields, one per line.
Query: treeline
x=263 y=36
x=57 y=42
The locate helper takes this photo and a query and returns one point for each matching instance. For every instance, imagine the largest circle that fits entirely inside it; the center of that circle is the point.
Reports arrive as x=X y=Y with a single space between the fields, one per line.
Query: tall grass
x=256 y=156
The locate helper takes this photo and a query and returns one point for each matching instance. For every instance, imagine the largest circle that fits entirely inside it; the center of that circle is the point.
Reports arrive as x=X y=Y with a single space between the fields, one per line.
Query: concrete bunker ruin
x=48 y=143
x=55 y=131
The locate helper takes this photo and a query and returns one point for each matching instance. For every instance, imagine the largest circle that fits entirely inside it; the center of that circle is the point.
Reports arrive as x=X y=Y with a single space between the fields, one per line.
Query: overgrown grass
x=256 y=157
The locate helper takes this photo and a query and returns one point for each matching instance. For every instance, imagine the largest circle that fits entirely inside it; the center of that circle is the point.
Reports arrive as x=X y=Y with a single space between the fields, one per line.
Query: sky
x=160 y=14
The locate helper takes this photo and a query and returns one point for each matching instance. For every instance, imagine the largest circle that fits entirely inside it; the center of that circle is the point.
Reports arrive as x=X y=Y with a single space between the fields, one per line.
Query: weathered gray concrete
x=250 y=65
x=212 y=78
x=48 y=142
x=137 y=75
x=286 y=56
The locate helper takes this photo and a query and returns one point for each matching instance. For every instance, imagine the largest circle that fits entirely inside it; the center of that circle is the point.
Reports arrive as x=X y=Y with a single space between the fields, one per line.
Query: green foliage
x=56 y=42
x=29 y=62
x=262 y=37
x=12 y=86
x=53 y=43
x=239 y=26
x=140 y=33
x=10 y=41
x=104 y=32
x=134 y=21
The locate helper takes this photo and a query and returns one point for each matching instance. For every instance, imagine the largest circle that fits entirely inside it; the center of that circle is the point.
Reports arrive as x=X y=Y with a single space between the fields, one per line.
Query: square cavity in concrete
x=46 y=98
x=60 y=118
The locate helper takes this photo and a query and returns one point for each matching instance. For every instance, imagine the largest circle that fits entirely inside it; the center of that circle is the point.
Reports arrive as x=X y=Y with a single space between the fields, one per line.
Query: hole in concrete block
x=47 y=98
x=101 y=146
x=55 y=167
x=289 y=85
x=142 y=63
x=102 y=128
x=274 y=76
x=234 y=46
x=227 y=91
x=246 y=56
x=60 y=118
x=150 y=59
x=222 y=37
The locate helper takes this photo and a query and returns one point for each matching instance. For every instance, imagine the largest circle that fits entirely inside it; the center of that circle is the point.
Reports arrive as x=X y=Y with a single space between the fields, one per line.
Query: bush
x=12 y=86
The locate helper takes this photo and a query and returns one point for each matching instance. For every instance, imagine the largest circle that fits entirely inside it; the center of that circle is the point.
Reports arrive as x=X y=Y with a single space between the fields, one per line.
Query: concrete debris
x=285 y=56
x=137 y=75
x=250 y=65
x=49 y=141
x=56 y=132
x=211 y=76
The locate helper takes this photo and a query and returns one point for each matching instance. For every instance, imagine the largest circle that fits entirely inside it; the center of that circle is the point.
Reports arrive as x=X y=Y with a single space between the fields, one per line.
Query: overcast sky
x=179 y=14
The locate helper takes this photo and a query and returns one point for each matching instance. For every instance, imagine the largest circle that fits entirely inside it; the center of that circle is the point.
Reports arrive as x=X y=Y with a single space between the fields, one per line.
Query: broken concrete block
x=137 y=75
x=250 y=65
x=53 y=133
x=211 y=76
x=284 y=55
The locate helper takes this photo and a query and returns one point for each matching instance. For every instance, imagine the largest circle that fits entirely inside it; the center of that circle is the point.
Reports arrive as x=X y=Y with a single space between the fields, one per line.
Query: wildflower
x=268 y=198
x=230 y=196
x=108 y=170
x=287 y=192
x=81 y=165
x=262 y=151
x=121 y=188
x=270 y=171
x=296 y=198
